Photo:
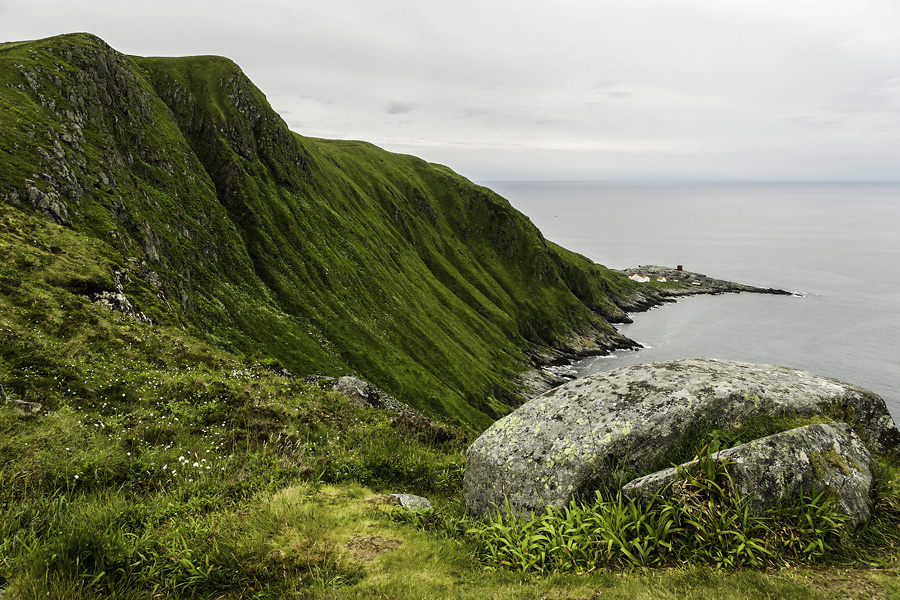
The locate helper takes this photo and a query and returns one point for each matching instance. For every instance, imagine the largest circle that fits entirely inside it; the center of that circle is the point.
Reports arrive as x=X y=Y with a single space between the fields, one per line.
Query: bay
x=837 y=246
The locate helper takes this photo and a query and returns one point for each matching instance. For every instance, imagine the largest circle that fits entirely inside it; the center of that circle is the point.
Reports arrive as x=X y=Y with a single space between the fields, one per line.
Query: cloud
x=399 y=107
x=890 y=87
x=471 y=111
x=633 y=88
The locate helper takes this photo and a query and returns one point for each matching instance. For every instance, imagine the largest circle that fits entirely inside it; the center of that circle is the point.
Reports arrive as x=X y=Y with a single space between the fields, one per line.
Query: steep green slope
x=323 y=256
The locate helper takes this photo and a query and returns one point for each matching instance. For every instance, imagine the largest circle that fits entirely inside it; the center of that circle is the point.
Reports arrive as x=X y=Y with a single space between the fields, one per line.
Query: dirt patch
x=852 y=584
x=365 y=549
x=387 y=500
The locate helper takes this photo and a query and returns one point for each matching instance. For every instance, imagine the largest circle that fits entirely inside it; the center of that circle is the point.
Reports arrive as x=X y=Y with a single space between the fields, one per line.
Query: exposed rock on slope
x=592 y=431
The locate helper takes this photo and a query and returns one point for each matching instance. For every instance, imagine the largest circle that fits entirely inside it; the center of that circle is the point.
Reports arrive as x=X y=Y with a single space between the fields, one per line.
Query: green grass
x=699 y=519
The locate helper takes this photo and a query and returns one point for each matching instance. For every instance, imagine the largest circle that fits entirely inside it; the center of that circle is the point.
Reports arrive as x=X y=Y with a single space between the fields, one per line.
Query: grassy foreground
x=262 y=488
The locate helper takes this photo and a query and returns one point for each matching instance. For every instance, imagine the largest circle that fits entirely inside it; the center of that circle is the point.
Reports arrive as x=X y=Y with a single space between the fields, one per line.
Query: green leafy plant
x=700 y=518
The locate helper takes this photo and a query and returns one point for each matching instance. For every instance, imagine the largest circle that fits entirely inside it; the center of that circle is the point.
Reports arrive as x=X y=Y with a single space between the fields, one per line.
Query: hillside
x=173 y=181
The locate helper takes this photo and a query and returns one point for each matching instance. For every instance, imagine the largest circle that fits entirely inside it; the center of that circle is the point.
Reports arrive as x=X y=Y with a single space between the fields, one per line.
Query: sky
x=550 y=90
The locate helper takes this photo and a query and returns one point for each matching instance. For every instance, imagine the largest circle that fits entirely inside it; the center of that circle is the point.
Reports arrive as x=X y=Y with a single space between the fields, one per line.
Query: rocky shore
x=552 y=367
x=654 y=293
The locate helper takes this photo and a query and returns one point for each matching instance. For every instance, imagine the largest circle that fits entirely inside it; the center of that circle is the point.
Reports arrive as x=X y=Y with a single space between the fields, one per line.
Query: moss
x=831 y=457
x=818 y=464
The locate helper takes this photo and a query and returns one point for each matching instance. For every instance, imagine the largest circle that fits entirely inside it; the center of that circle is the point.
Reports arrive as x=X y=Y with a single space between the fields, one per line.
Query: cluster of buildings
x=645 y=279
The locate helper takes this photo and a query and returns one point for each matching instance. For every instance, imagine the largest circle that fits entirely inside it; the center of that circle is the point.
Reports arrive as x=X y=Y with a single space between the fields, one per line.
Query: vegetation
x=701 y=519
x=175 y=458
x=330 y=257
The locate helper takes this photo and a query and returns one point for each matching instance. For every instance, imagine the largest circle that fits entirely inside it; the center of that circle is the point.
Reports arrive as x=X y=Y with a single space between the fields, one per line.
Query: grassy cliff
x=327 y=257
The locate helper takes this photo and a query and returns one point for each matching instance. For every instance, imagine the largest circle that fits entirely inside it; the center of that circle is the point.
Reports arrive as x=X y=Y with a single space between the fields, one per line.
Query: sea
x=836 y=246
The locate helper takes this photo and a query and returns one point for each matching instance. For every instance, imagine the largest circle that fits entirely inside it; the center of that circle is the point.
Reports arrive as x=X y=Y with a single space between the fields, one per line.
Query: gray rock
x=358 y=391
x=117 y=300
x=411 y=502
x=28 y=408
x=364 y=394
x=781 y=467
x=582 y=435
x=20 y=405
x=286 y=374
x=49 y=203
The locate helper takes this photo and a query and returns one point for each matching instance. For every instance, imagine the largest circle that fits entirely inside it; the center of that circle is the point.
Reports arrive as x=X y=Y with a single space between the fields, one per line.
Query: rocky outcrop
x=776 y=468
x=360 y=392
x=117 y=300
x=693 y=284
x=583 y=435
x=410 y=501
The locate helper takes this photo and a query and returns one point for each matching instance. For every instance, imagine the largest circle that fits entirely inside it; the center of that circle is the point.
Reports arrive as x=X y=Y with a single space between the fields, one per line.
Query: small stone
x=411 y=502
x=28 y=408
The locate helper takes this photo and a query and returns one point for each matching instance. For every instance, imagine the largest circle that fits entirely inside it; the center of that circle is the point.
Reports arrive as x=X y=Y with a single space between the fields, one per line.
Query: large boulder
x=775 y=468
x=576 y=438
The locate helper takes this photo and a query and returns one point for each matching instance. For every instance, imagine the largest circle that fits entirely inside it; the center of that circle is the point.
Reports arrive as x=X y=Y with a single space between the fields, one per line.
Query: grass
x=701 y=519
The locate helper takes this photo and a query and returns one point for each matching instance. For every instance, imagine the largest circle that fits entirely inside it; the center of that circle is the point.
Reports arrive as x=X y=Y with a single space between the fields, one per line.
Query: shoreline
x=679 y=284
x=552 y=367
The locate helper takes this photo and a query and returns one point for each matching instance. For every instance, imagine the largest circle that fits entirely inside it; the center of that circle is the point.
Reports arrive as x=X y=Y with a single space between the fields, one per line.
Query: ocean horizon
x=834 y=245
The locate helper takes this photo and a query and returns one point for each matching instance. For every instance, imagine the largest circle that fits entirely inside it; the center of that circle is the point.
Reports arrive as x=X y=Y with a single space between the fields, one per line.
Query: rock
x=780 y=467
x=28 y=408
x=362 y=393
x=20 y=405
x=118 y=301
x=411 y=502
x=581 y=436
x=286 y=374
x=50 y=204
x=358 y=391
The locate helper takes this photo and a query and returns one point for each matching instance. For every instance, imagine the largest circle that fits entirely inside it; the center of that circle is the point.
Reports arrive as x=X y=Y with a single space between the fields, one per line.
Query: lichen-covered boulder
x=567 y=442
x=785 y=465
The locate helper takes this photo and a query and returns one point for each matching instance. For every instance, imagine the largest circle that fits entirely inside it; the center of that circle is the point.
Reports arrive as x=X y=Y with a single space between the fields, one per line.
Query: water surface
x=836 y=245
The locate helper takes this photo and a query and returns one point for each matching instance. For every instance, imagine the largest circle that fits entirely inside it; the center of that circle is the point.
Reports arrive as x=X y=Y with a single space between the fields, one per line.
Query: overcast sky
x=561 y=89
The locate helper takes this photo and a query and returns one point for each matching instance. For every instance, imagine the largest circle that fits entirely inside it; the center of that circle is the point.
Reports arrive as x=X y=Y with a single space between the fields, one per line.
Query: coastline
x=552 y=367
x=680 y=283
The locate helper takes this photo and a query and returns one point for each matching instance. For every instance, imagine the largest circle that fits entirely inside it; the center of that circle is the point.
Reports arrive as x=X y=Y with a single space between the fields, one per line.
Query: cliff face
x=190 y=197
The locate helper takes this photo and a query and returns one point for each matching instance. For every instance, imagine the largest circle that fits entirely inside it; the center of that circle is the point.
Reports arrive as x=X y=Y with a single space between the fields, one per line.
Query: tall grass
x=700 y=519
